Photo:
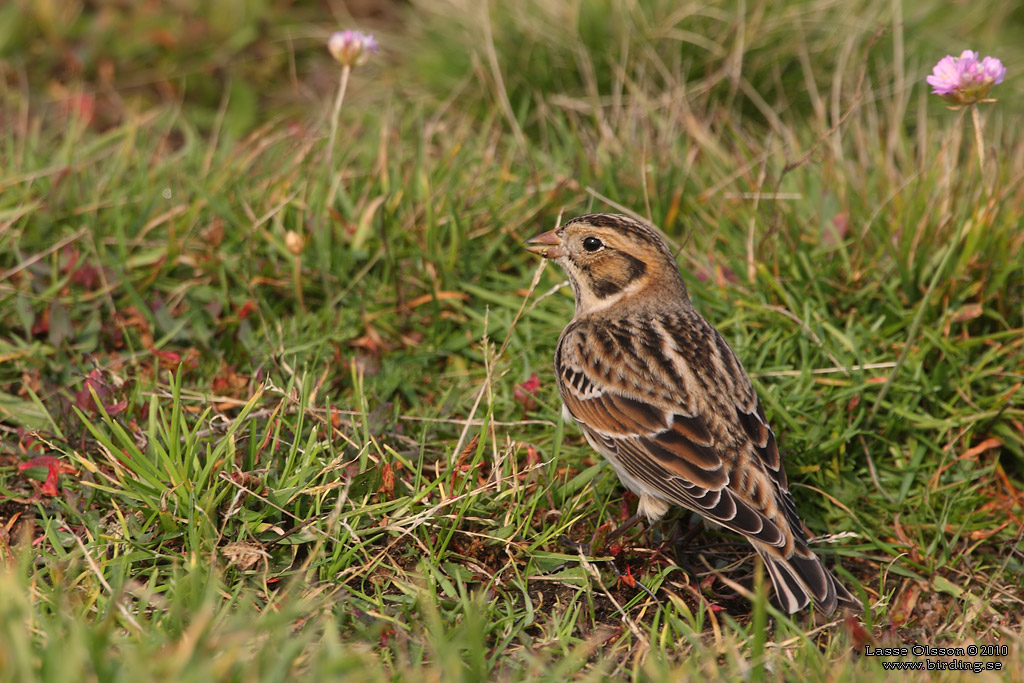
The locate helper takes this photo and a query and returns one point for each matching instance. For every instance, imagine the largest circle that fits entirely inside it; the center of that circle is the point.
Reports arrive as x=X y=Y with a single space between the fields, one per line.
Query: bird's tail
x=801 y=577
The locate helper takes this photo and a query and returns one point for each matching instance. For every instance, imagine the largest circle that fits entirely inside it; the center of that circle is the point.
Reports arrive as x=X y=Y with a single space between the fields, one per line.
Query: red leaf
x=722 y=275
x=70 y=256
x=174 y=359
x=168 y=357
x=387 y=480
x=385 y=636
x=86 y=276
x=968 y=312
x=41 y=325
x=228 y=382
x=164 y=37
x=832 y=235
x=27 y=441
x=727 y=274
x=525 y=392
x=38 y=461
x=859 y=635
x=627 y=578
x=531 y=385
x=54 y=469
x=247 y=308
x=95 y=381
x=115 y=408
x=81 y=107
x=624 y=509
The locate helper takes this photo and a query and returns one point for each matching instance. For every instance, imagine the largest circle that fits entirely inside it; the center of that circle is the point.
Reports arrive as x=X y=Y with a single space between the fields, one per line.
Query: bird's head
x=609 y=257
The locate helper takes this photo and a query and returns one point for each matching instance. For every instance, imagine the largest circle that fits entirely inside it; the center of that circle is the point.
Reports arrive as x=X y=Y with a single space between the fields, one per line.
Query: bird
x=662 y=396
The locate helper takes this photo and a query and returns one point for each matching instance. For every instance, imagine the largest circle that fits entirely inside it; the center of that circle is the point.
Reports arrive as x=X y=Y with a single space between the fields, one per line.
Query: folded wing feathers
x=674 y=454
x=675 y=457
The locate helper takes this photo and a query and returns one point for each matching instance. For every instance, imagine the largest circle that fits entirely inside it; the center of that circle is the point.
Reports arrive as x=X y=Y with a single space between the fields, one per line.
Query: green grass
x=322 y=465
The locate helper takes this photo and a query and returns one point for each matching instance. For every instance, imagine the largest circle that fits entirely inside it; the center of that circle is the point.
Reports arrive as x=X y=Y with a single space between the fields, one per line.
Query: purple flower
x=351 y=48
x=964 y=79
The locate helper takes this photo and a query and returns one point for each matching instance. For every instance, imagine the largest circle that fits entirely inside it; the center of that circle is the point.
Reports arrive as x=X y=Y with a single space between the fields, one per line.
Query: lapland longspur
x=661 y=395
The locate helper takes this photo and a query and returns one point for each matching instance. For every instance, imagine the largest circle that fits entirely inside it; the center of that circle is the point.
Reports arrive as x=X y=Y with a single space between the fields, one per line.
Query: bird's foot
x=681 y=540
x=578 y=548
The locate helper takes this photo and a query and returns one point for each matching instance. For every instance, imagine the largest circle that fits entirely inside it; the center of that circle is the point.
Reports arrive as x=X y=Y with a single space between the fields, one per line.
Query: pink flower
x=964 y=79
x=351 y=48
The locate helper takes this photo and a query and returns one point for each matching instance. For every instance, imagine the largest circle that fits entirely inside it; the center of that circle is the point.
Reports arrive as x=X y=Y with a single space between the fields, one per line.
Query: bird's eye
x=592 y=244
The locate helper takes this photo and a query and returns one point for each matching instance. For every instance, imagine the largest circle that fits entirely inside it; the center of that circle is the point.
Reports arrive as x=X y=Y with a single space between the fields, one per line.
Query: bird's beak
x=547 y=244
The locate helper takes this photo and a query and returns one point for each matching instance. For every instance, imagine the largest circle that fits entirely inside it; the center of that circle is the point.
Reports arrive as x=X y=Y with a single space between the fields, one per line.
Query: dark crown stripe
x=620 y=223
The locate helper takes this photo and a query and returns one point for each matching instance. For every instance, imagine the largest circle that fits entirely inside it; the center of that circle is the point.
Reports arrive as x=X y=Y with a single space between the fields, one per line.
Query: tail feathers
x=801 y=578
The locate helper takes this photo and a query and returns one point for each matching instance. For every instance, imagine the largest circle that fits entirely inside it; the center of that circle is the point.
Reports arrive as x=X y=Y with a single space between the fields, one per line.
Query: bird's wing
x=671 y=404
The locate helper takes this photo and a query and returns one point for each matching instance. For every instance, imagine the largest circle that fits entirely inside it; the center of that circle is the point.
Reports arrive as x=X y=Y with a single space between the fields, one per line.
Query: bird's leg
x=620 y=529
x=581 y=548
x=680 y=541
